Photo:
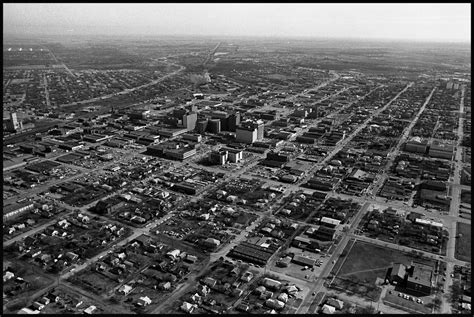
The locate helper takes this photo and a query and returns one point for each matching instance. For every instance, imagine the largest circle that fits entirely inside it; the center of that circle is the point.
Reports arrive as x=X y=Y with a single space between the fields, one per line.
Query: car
x=399 y=294
x=314 y=293
x=451 y=275
x=444 y=279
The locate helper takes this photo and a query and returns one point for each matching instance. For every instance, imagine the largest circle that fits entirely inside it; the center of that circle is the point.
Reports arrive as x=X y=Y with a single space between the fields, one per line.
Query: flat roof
x=330 y=221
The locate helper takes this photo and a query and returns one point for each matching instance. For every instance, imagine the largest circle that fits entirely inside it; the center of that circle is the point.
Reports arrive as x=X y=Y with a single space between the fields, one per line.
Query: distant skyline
x=416 y=22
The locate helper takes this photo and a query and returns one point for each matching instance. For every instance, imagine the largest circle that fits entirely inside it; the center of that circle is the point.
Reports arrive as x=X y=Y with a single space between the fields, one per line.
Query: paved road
x=345 y=141
x=83 y=171
x=211 y=54
x=318 y=285
x=380 y=178
x=32 y=231
x=46 y=91
x=454 y=208
x=127 y=91
x=60 y=63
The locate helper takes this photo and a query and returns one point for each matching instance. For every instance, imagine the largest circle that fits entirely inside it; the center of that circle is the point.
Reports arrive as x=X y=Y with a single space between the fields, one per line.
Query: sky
x=419 y=22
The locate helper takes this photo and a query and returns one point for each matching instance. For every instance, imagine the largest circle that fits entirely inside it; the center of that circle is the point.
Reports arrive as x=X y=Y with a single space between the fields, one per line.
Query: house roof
x=328 y=309
x=399 y=270
x=291 y=289
x=271 y=282
x=338 y=304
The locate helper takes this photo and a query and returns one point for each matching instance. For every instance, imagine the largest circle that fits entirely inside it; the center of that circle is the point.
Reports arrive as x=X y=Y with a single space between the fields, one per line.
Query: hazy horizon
x=397 y=22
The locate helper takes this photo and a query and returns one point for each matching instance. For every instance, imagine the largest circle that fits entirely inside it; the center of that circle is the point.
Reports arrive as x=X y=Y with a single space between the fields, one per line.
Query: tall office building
x=12 y=124
x=233 y=121
x=250 y=131
x=183 y=118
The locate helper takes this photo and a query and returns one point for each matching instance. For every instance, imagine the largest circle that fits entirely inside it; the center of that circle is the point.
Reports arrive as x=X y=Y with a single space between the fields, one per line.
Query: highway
x=127 y=91
x=60 y=63
x=211 y=54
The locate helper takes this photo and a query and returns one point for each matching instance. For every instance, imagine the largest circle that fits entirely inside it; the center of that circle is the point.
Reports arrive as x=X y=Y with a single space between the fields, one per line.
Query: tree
x=367 y=310
x=437 y=302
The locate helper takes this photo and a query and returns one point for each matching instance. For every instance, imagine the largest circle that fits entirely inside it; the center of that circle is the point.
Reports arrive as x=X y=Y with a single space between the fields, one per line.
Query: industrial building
x=172 y=150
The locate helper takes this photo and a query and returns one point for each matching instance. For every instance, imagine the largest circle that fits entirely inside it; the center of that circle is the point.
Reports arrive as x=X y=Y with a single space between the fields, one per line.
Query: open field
x=463 y=243
x=361 y=264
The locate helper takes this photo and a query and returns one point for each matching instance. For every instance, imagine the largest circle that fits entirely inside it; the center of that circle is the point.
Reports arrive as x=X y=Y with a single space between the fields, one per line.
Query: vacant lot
x=463 y=243
x=362 y=263
x=364 y=257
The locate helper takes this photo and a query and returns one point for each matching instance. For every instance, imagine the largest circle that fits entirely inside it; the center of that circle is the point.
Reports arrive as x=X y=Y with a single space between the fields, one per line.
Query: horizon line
x=274 y=36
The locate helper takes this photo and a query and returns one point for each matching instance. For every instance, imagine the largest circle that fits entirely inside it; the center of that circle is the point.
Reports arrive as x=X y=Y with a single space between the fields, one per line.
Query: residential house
x=125 y=289
x=144 y=301
x=237 y=292
x=271 y=283
x=188 y=308
x=338 y=304
x=274 y=303
x=203 y=290
x=90 y=310
x=209 y=281
x=328 y=309
x=196 y=298
x=246 y=277
x=259 y=290
x=243 y=307
x=283 y=297
x=164 y=286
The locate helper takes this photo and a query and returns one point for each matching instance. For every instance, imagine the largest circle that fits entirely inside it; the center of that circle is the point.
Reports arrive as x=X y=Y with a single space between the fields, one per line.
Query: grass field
x=367 y=261
x=362 y=263
x=463 y=243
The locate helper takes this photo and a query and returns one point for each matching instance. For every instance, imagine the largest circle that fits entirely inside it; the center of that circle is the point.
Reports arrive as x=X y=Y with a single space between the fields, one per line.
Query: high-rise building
x=12 y=124
x=183 y=118
x=214 y=126
x=233 y=121
x=250 y=131
x=14 y=120
x=201 y=126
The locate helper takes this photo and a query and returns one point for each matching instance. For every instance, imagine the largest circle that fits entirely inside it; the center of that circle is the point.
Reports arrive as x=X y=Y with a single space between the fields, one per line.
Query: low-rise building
x=15 y=210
